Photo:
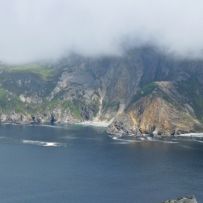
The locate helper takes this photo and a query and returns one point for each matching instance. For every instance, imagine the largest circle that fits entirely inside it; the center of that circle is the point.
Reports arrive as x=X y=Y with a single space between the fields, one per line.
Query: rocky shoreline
x=117 y=127
x=189 y=199
x=38 y=118
x=115 y=133
x=123 y=128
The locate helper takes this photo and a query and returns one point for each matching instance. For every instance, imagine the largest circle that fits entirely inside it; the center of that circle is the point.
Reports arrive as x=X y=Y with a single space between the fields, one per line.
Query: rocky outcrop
x=191 y=199
x=123 y=126
x=39 y=118
x=158 y=116
x=157 y=110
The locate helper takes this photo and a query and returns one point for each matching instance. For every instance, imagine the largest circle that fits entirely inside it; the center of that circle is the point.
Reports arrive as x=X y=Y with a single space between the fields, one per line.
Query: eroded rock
x=191 y=199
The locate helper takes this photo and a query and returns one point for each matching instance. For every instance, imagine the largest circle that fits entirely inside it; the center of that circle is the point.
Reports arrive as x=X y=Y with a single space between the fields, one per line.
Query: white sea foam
x=95 y=123
x=146 y=139
x=191 y=135
x=115 y=138
x=42 y=143
x=124 y=141
x=149 y=138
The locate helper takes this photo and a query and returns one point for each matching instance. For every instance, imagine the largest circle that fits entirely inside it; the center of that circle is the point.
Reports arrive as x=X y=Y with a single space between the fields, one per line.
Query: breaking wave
x=42 y=143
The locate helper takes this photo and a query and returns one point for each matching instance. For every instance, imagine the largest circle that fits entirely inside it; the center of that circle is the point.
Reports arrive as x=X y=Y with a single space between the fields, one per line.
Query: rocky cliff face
x=159 y=111
x=142 y=91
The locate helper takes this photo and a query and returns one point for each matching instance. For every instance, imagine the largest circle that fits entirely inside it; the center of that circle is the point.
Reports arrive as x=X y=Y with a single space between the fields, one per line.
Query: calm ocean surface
x=77 y=164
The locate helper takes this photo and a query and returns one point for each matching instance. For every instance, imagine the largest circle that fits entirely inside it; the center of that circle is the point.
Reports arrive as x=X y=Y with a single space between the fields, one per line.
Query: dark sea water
x=82 y=164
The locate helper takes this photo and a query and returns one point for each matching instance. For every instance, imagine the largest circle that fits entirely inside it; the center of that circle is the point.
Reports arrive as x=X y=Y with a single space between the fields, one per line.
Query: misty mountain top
x=44 y=29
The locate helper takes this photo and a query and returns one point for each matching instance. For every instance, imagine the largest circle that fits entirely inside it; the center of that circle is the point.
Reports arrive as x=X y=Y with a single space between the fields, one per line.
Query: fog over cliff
x=43 y=29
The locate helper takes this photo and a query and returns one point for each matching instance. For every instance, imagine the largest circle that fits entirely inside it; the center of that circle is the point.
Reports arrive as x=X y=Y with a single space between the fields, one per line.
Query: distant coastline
x=99 y=124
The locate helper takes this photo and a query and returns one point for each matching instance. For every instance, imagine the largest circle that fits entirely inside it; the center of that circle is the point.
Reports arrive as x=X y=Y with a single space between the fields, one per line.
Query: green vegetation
x=10 y=102
x=73 y=107
x=148 y=88
x=113 y=106
x=51 y=104
x=95 y=105
x=192 y=90
x=3 y=98
x=145 y=90
x=43 y=72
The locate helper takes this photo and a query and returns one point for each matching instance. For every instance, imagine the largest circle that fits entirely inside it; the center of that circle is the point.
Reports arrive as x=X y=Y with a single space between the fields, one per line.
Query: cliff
x=142 y=91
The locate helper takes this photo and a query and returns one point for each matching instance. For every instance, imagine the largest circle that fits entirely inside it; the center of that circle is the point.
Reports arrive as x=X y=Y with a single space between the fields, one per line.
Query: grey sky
x=42 y=29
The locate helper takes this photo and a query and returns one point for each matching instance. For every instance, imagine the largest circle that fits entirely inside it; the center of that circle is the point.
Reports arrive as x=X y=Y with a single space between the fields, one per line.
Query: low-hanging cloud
x=43 y=29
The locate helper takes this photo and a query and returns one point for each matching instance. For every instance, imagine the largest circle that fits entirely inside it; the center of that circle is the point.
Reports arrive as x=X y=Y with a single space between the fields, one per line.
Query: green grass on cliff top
x=42 y=71
x=10 y=103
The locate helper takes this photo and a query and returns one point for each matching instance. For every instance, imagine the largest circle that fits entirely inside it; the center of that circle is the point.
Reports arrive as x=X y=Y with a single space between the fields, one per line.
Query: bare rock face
x=158 y=116
x=156 y=110
x=123 y=126
x=183 y=200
